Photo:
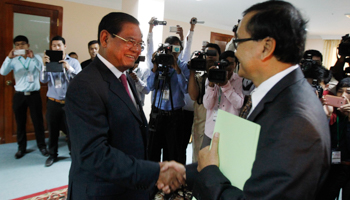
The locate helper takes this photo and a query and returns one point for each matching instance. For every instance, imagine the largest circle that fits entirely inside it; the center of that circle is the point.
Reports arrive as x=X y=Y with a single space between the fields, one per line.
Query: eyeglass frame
x=236 y=41
x=134 y=43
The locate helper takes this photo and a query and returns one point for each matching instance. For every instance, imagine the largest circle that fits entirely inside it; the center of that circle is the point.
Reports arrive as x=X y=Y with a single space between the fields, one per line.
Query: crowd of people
x=264 y=75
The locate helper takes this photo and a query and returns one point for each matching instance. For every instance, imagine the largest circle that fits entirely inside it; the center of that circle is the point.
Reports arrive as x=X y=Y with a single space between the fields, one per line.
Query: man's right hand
x=172 y=176
x=11 y=54
x=46 y=58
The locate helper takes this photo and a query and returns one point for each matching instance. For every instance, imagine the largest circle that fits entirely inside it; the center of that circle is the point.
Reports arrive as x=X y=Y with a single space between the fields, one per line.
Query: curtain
x=330 y=52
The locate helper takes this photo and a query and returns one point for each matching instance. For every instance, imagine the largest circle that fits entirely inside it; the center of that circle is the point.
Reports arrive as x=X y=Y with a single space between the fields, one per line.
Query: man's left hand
x=30 y=53
x=65 y=65
x=209 y=157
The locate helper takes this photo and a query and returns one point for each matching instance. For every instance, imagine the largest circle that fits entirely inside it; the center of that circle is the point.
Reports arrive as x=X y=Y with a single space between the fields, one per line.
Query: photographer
x=168 y=81
x=139 y=73
x=343 y=56
x=57 y=87
x=26 y=69
x=225 y=95
x=196 y=90
x=339 y=174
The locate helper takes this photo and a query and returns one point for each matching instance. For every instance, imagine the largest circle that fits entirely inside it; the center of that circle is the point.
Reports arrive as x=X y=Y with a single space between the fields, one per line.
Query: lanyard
x=23 y=64
x=220 y=92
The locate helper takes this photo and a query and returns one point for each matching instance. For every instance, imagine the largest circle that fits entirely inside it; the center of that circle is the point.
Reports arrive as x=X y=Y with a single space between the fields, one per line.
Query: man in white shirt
x=292 y=158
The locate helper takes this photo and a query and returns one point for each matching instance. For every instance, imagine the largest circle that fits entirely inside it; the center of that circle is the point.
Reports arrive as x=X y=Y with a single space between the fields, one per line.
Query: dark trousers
x=166 y=136
x=186 y=135
x=56 y=121
x=338 y=177
x=20 y=106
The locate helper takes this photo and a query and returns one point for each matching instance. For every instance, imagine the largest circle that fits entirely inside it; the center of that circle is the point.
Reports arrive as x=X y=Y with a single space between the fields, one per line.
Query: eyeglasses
x=132 y=43
x=236 y=41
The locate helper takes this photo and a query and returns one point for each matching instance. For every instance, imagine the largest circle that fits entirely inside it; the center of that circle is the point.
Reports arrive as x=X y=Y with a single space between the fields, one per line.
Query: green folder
x=237 y=146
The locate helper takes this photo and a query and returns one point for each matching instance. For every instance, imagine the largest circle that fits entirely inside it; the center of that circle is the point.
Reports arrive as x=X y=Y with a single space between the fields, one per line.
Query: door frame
x=6 y=44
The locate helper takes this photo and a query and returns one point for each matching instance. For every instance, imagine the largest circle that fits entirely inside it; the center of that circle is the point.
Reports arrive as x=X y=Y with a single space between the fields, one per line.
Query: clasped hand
x=172 y=176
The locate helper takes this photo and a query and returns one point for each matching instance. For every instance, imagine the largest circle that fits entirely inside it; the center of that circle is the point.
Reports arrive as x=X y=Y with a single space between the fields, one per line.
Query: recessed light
x=347 y=15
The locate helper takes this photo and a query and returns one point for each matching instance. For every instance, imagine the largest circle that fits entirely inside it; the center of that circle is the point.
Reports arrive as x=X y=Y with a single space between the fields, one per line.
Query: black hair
x=313 y=52
x=92 y=42
x=227 y=54
x=213 y=45
x=71 y=53
x=345 y=82
x=57 y=37
x=173 y=40
x=318 y=72
x=281 y=21
x=20 y=38
x=113 y=23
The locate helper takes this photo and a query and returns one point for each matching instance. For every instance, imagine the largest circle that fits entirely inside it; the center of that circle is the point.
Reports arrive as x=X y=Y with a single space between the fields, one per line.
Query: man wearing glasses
x=292 y=157
x=108 y=128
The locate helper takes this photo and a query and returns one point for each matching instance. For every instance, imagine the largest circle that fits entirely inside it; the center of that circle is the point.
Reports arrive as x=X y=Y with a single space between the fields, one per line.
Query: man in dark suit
x=107 y=124
x=293 y=153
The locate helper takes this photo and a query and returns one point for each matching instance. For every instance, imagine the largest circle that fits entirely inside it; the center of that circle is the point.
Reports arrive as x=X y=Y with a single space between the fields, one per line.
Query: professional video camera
x=199 y=62
x=139 y=59
x=344 y=46
x=164 y=59
x=219 y=75
x=156 y=22
x=307 y=63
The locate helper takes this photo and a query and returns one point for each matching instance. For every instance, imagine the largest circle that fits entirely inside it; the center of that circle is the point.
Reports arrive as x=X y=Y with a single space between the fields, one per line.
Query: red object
x=44 y=192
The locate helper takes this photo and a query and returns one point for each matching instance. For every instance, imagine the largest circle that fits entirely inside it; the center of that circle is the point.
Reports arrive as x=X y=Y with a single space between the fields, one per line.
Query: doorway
x=39 y=23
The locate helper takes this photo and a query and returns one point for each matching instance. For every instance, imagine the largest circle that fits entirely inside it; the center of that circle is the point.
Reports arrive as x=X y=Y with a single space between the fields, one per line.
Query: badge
x=30 y=77
x=166 y=94
x=336 y=155
x=58 y=82
x=215 y=115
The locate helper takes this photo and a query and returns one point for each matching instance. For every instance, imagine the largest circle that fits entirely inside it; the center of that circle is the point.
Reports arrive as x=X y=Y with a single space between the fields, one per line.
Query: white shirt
x=259 y=92
x=117 y=73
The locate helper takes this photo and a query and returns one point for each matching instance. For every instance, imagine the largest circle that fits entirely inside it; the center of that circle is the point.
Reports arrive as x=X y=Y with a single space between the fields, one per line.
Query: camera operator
x=225 y=95
x=339 y=174
x=196 y=90
x=319 y=78
x=343 y=56
x=169 y=84
x=139 y=73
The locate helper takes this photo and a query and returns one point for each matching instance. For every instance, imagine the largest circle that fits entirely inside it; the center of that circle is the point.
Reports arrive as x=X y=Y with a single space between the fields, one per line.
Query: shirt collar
x=259 y=92
x=111 y=67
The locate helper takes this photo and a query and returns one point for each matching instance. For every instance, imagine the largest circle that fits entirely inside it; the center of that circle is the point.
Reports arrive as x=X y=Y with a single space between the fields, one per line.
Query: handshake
x=172 y=176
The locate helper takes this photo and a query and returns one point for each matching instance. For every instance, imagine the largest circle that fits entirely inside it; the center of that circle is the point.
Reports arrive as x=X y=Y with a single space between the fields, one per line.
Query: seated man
x=26 y=69
x=93 y=48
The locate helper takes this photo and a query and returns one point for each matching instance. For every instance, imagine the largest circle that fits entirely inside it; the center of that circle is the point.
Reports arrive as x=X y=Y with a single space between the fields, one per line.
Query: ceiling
x=326 y=18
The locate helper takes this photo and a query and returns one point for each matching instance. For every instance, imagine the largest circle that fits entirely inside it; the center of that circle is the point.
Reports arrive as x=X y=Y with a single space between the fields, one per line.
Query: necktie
x=246 y=108
x=125 y=84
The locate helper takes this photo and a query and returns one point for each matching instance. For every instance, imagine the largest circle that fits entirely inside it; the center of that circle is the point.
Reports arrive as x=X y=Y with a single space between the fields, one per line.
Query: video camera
x=307 y=63
x=199 y=63
x=139 y=59
x=219 y=75
x=164 y=58
x=156 y=22
x=344 y=46
x=195 y=21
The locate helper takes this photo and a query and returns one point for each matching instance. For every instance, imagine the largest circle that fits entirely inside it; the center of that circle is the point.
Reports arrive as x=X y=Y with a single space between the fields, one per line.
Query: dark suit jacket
x=293 y=154
x=108 y=137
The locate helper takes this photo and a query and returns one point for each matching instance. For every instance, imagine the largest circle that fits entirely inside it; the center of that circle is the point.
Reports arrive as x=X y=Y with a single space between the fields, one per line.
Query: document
x=238 y=142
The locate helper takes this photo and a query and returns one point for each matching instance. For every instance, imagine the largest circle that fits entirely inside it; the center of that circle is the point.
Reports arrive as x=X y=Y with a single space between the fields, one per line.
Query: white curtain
x=330 y=50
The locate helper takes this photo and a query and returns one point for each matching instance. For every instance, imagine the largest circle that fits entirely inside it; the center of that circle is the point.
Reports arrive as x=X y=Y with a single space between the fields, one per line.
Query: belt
x=27 y=93
x=170 y=112
x=58 y=101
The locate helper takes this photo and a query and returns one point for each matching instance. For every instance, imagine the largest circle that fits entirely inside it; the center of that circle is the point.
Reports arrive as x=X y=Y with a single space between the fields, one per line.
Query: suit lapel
x=285 y=82
x=118 y=89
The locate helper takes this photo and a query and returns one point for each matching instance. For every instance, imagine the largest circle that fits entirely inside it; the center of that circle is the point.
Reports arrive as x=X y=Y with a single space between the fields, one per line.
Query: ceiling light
x=347 y=15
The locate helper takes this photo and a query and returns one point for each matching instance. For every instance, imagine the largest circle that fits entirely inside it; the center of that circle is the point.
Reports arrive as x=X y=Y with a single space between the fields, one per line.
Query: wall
x=80 y=24
x=314 y=44
x=201 y=32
